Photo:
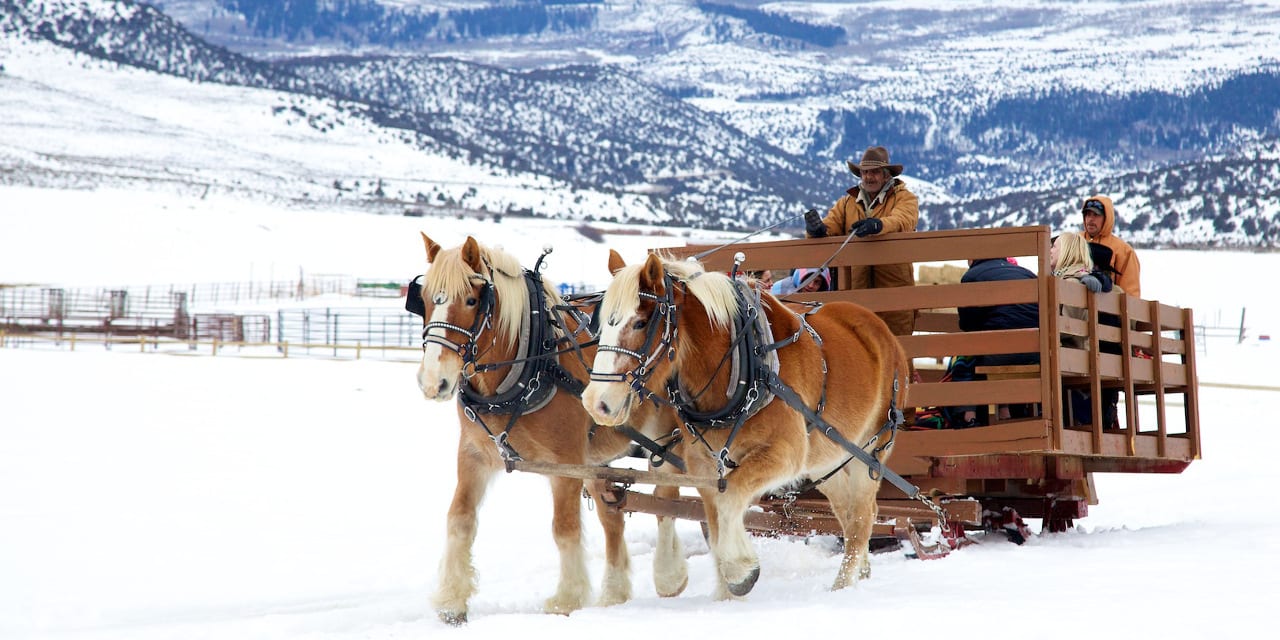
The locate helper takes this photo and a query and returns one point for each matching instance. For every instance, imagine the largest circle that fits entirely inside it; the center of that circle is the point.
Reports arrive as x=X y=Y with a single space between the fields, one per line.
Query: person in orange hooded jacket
x=879 y=204
x=1099 y=223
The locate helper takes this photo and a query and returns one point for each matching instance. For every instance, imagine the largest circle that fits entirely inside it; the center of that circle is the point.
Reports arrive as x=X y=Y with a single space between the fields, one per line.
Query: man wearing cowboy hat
x=881 y=203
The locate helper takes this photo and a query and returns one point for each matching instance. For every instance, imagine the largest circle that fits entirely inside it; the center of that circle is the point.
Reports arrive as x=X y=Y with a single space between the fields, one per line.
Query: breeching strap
x=789 y=395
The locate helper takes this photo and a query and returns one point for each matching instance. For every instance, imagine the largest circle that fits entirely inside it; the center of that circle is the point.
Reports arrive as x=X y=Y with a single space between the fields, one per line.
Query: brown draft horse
x=773 y=448
x=477 y=308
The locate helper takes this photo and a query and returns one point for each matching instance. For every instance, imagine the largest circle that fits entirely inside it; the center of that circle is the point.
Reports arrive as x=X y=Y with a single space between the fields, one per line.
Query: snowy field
x=160 y=496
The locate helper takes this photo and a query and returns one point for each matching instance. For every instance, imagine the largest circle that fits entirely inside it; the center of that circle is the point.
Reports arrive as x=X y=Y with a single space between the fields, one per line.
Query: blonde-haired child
x=1069 y=258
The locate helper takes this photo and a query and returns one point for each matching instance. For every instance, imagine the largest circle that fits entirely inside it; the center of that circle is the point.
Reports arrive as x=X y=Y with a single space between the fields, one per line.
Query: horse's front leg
x=735 y=556
x=574 y=589
x=616 y=585
x=761 y=465
x=709 y=497
x=457 y=573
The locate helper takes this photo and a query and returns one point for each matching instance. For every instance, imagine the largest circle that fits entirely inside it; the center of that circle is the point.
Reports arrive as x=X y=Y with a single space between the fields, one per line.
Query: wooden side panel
x=1070 y=340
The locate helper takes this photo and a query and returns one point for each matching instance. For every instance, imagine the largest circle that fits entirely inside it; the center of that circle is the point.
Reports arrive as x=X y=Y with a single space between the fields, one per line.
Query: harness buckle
x=509 y=455
x=723 y=461
x=896 y=417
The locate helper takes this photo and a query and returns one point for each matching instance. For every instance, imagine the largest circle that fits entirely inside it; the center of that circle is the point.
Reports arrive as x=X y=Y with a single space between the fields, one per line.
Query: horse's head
x=461 y=293
x=640 y=319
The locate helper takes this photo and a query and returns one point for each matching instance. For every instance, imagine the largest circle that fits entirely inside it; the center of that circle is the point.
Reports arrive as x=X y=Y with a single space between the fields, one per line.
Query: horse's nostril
x=444 y=386
x=603 y=408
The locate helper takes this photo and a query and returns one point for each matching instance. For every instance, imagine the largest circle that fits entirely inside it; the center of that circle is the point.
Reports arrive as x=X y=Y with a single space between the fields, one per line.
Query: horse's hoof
x=744 y=587
x=453 y=618
x=561 y=606
x=671 y=593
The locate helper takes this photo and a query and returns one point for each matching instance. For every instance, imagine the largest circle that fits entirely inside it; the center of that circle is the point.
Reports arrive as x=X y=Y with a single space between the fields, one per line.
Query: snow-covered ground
x=158 y=496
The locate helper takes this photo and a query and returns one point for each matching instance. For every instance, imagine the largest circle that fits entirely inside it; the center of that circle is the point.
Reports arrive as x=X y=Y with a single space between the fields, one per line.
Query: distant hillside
x=740 y=115
x=1067 y=136
x=141 y=36
x=364 y=22
x=585 y=125
x=1230 y=202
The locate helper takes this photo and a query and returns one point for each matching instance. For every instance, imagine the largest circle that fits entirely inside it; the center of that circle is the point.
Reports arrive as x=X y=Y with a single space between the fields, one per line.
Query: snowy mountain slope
x=72 y=120
x=595 y=130
x=701 y=116
x=592 y=126
x=1220 y=202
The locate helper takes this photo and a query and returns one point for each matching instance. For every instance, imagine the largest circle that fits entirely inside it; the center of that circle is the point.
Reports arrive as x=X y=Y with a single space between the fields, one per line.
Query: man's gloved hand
x=867 y=227
x=813 y=225
x=1091 y=283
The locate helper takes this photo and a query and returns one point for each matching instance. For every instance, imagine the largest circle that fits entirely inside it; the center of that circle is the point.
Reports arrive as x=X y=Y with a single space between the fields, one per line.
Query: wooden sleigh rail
x=899 y=517
x=1145 y=328
x=615 y=475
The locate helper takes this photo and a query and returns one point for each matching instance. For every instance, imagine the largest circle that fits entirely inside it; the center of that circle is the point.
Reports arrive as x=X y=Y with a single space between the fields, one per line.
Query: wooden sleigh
x=989 y=477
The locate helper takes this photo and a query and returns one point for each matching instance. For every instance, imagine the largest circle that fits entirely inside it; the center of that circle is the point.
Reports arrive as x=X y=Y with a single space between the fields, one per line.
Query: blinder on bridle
x=484 y=314
x=593 y=325
x=413 y=298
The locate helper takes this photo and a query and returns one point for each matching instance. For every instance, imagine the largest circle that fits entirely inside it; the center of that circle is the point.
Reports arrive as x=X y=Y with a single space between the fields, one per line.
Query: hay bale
x=940 y=274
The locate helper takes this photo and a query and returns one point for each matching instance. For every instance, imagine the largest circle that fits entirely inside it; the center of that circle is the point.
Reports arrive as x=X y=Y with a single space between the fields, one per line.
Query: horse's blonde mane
x=713 y=289
x=450 y=274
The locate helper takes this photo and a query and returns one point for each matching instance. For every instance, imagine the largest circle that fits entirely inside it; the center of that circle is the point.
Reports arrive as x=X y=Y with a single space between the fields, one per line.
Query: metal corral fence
x=374 y=327
x=163 y=316
x=1212 y=325
x=197 y=296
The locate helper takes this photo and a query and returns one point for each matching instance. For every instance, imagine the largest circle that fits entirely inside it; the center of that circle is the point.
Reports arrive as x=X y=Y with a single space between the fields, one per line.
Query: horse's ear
x=472 y=256
x=432 y=247
x=616 y=263
x=651 y=276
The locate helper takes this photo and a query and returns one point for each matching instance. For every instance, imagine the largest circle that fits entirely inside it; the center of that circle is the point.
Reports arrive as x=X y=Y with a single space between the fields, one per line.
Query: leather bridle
x=468 y=350
x=665 y=314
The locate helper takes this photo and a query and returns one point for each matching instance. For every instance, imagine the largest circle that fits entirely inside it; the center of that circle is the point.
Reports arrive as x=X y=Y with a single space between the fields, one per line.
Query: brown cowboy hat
x=874 y=158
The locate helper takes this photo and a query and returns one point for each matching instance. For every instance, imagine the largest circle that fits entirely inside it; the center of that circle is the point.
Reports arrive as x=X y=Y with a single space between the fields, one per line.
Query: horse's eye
x=440 y=298
x=639 y=324
x=471 y=302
